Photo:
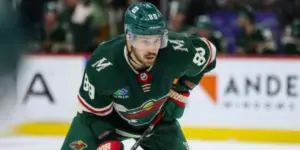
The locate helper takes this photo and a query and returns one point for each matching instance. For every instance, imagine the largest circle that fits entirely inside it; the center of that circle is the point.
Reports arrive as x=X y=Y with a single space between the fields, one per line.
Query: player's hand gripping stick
x=148 y=130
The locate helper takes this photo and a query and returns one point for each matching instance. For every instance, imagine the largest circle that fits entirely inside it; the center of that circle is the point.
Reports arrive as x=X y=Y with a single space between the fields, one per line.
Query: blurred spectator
x=204 y=29
x=115 y=11
x=291 y=39
x=80 y=25
x=52 y=37
x=33 y=9
x=253 y=39
x=177 y=16
x=176 y=23
x=99 y=22
x=83 y=18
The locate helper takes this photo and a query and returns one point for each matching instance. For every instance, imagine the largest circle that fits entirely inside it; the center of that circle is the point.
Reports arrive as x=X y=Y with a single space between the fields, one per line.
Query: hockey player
x=129 y=79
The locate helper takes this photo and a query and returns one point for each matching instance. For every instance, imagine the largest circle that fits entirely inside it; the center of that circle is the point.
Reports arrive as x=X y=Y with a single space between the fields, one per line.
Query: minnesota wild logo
x=78 y=145
x=142 y=114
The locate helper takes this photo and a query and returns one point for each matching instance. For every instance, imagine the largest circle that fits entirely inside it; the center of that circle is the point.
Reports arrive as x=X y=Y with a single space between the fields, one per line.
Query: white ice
x=53 y=143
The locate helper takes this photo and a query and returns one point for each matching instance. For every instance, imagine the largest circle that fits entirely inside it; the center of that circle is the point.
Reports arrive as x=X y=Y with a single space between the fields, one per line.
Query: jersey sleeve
x=202 y=57
x=97 y=87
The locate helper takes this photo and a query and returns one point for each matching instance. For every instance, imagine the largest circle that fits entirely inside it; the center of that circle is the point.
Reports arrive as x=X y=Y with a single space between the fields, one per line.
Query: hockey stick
x=148 y=130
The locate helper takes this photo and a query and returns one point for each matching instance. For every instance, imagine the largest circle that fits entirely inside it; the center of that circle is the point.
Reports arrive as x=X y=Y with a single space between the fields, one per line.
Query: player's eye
x=157 y=40
x=146 y=42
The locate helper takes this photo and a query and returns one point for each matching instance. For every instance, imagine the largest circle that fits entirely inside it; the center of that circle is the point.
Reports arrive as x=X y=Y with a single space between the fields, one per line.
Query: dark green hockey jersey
x=129 y=100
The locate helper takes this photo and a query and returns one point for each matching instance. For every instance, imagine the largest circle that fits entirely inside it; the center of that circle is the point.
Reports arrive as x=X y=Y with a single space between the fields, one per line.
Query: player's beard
x=150 y=57
x=143 y=59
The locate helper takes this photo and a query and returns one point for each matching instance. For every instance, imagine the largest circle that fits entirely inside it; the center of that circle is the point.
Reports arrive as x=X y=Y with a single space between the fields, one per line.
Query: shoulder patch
x=101 y=64
x=178 y=45
x=178 y=41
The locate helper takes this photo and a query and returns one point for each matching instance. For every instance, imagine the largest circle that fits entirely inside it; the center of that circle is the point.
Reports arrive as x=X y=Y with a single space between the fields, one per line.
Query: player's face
x=146 y=48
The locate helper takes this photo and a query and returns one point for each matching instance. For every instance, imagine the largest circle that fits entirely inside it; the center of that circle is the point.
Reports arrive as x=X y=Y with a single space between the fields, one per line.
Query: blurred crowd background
x=260 y=27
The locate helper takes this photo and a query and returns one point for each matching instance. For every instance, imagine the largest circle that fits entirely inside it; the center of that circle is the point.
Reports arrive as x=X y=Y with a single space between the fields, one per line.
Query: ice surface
x=53 y=143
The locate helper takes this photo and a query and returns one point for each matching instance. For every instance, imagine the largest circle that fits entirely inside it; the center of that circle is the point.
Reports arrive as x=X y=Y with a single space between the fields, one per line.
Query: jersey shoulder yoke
x=102 y=65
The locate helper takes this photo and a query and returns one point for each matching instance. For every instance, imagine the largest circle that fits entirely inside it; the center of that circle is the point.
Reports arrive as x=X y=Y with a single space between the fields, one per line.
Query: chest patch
x=142 y=114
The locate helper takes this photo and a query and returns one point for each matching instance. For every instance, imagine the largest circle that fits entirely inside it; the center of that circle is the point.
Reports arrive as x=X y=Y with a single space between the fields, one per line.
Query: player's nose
x=153 y=49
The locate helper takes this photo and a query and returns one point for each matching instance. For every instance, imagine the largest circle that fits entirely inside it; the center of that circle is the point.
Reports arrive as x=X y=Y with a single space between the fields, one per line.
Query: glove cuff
x=179 y=98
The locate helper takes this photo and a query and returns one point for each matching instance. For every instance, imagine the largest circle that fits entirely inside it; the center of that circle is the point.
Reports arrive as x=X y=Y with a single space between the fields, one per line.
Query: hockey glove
x=111 y=145
x=174 y=106
x=179 y=95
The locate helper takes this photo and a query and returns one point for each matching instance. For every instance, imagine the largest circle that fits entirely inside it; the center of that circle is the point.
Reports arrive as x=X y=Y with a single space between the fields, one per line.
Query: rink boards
x=244 y=98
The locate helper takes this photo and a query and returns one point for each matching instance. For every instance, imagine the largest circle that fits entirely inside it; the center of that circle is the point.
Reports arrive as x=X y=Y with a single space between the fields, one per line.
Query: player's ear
x=127 y=36
x=128 y=44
